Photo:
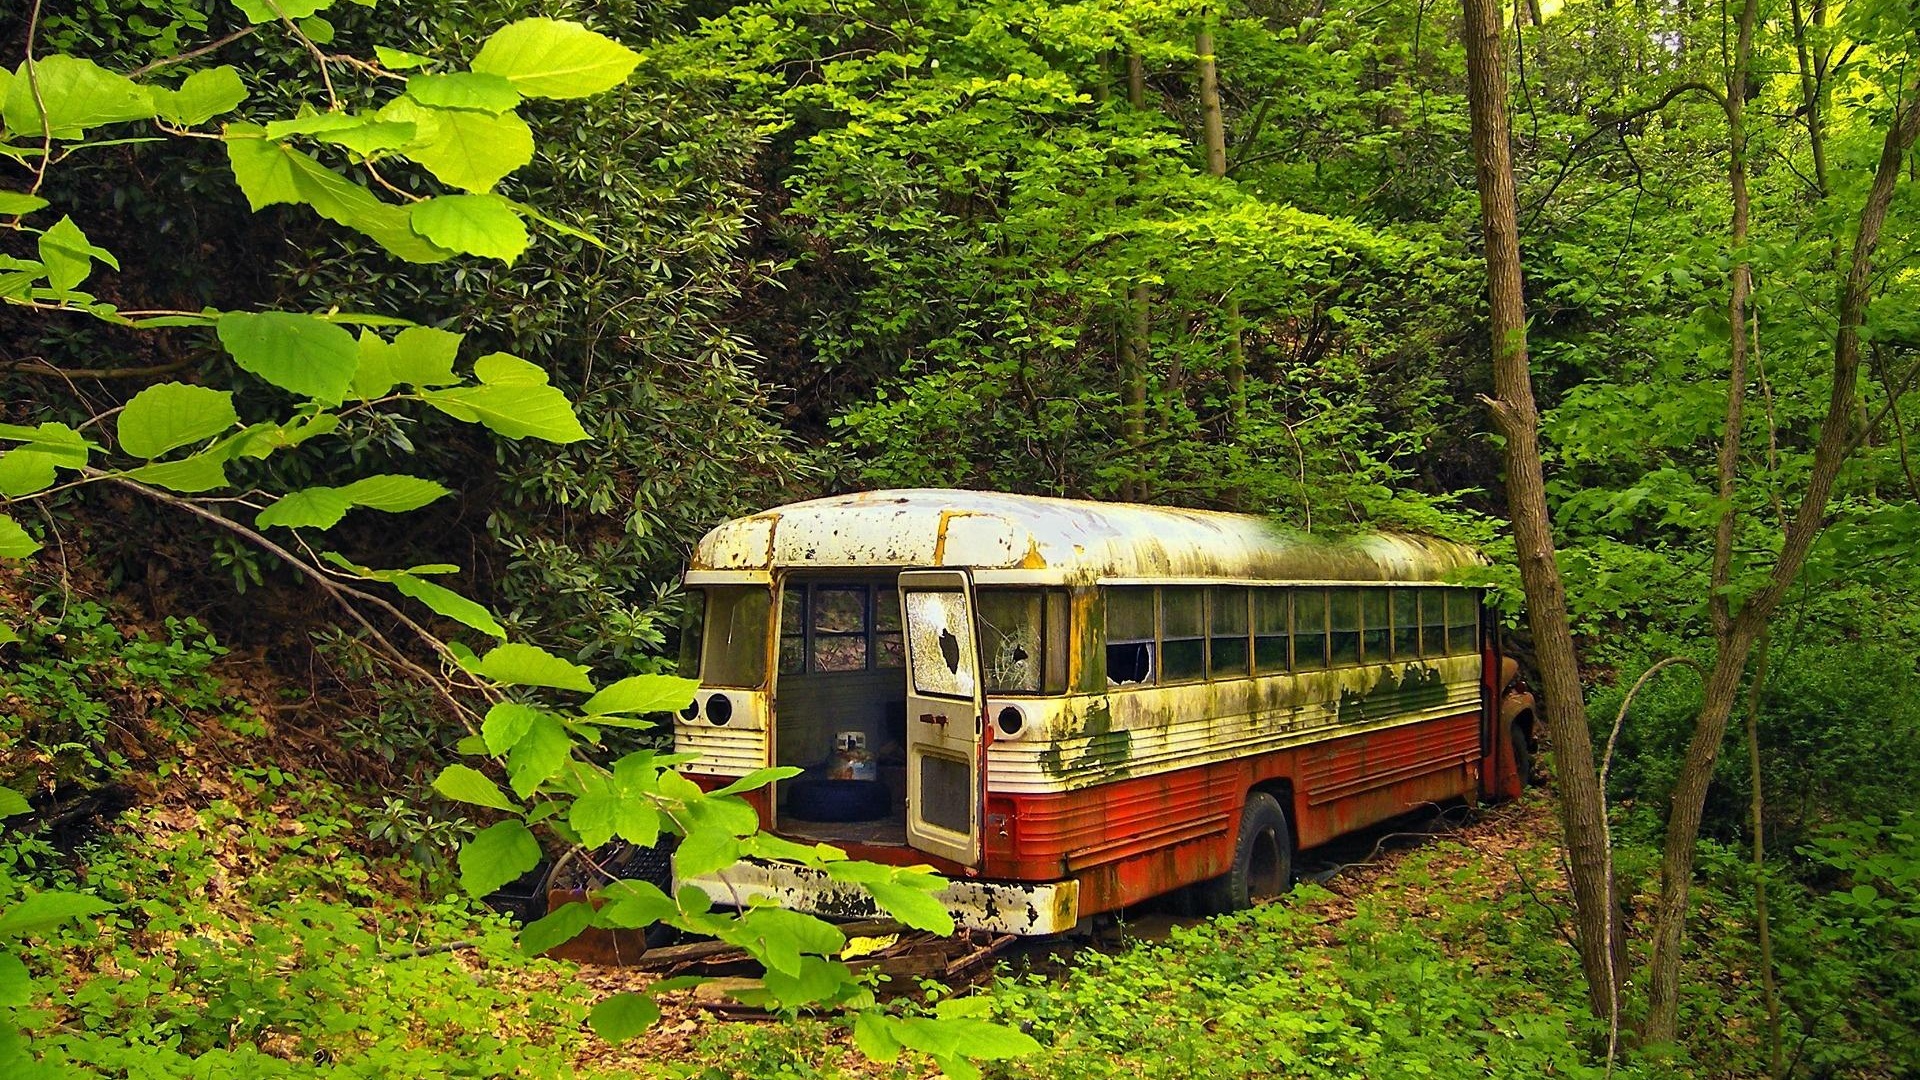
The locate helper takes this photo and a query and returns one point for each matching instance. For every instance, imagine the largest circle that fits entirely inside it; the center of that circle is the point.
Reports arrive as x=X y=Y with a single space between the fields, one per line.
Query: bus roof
x=1040 y=540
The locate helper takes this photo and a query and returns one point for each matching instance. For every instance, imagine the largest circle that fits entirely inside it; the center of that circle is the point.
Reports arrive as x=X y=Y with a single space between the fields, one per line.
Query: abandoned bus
x=1067 y=707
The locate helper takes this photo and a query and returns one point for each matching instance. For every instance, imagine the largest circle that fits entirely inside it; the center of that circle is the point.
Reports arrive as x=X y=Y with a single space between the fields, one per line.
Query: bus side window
x=1130 y=635
x=1344 y=619
x=1227 y=643
x=793 y=629
x=1463 y=621
x=1377 y=638
x=1183 y=633
x=1406 y=624
x=1309 y=628
x=1270 y=630
x=1433 y=622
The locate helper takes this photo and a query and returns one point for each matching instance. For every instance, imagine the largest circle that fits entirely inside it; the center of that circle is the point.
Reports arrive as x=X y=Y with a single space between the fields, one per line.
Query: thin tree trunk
x=1517 y=416
x=1136 y=352
x=1728 y=465
x=1214 y=128
x=1836 y=444
x=1756 y=813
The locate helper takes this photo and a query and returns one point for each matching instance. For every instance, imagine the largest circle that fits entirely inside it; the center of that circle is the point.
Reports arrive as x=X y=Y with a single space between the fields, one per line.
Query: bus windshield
x=734 y=649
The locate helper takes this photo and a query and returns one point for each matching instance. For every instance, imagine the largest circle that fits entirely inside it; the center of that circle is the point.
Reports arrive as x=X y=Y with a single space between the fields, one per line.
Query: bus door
x=945 y=736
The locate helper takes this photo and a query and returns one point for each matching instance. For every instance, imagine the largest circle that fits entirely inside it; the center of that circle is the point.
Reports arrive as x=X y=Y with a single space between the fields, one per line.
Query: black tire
x=813 y=799
x=1522 y=754
x=1262 y=859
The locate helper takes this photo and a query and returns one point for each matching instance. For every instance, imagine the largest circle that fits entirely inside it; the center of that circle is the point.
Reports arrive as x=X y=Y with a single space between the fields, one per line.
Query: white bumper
x=1005 y=907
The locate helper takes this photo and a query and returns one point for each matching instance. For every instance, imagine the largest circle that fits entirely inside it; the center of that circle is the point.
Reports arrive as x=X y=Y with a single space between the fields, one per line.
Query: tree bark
x=1135 y=350
x=1835 y=446
x=1517 y=417
x=1214 y=130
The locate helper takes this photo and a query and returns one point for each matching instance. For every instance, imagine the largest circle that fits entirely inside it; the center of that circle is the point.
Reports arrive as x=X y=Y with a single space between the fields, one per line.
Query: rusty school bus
x=1066 y=707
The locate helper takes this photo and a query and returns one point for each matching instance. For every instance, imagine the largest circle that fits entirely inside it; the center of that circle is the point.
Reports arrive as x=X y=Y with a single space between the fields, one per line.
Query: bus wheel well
x=1281 y=789
x=1524 y=723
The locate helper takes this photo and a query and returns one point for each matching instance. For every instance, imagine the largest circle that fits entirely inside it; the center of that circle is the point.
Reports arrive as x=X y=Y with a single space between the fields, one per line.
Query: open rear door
x=944 y=710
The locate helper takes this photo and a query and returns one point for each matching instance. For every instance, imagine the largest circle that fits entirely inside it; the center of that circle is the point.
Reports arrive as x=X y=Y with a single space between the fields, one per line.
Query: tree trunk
x=1214 y=130
x=1518 y=418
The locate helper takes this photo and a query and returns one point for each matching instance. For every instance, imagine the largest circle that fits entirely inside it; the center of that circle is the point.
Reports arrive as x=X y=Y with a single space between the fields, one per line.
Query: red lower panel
x=1141 y=837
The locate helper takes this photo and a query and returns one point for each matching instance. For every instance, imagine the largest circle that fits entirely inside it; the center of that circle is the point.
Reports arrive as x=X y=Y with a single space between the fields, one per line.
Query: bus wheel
x=1522 y=754
x=1262 y=859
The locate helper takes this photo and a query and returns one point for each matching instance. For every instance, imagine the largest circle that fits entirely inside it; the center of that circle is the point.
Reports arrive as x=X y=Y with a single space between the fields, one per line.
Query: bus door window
x=1309 y=628
x=1227 y=643
x=1130 y=636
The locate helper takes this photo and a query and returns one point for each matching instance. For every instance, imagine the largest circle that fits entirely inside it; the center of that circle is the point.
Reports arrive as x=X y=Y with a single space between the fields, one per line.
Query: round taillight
x=719 y=710
x=691 y=712
x=1010 y=721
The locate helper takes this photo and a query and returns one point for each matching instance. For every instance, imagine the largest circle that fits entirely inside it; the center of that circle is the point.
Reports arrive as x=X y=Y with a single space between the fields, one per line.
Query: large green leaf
x=47 y=910
x=643 y=694
x=205 y=94
x=14 y=541
x=19 y=202
x=519 y=664
x=462 y=783
x=300 y=353
x=469 y=150
x=484 y=225
x=539 y=755
x=16 y=986
x=323 y=507
x=419 y=356
x=78 y=94
x=622 y=1016
x=32 y=466
x=68 y=255
x=171 y=415
x=445 y=601
x=496 y=855
x=199 y=472
x=513 y=399
x=557 y=927
x=260 y=11
x=270 y=172
x=506 y=724
x=13 y=804
x=464 y=90
x=262 y=167
x=546 y=58
x=399 y=59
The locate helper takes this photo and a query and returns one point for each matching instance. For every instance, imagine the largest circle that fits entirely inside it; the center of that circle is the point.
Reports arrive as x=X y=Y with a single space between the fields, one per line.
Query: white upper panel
x=1033 y=538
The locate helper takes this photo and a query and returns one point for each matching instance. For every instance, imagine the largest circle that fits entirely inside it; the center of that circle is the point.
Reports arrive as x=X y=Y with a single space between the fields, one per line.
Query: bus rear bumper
x=1003 y=907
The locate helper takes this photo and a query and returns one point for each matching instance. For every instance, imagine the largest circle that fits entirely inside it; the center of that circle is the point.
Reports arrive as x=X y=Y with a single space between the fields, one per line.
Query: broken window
x=1129 y=635
x=1227 y=644
x=1023 y=640
x=940 y=645
x=734 y=642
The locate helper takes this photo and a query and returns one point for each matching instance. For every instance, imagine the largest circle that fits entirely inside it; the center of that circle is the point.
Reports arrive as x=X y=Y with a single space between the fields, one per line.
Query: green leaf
x=546 y=58
x=68 y=255
x=260 y=11
x=618 y=806
x=12 y=803
x=873 y=1036
x=643 y=694
x=506 y=724
x=464 y=90
x=78 y=94
x=171 y=415
x=703 y=851
x=19 y=202
x=519 y=664
x=34 y=465
x=622 y=1016
x=517 y=411
x=463 y=784
x=270 y=172
x=205 y=94
x=16 y=986
x=317 y=29
x=399 y=59
x=14 y=541
x=204 y=471
x=539 y=755
x=418 y=356
x=632 y=904
x=757 y=779
x=263 y=168
x=308 y=356
x=484 y=225
x=915 y=907
x=559 y=926
x=47 y=910
x=469 y=150
x=496 y=855
x=452 y=605
x=323 y=507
